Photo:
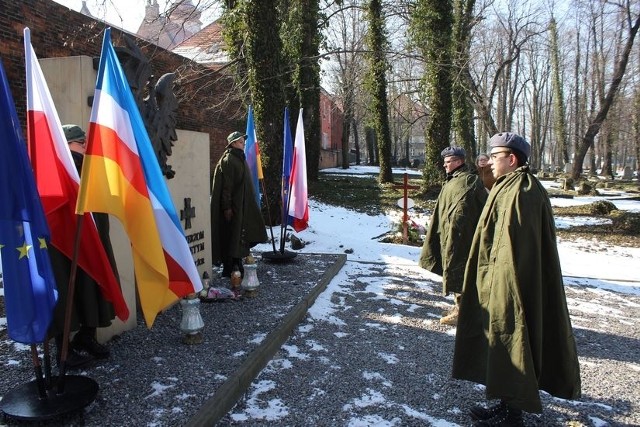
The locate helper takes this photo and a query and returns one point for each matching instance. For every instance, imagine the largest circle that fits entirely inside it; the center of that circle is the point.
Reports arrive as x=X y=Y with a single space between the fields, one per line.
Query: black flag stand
x=264 y=191
x=47 y=397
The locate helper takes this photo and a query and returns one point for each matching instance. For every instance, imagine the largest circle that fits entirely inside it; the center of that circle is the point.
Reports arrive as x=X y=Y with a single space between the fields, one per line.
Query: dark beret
x=73 y=133
x=512 y=141
x=454 y=150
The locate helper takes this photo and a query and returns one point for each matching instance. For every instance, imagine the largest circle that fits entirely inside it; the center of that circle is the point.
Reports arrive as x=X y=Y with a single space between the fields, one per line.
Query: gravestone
x=627 y=173
x=71 y=81
x=567 y=184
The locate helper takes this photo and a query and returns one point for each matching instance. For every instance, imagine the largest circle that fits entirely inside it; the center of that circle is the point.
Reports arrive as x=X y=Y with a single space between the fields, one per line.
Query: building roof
x=205 y=47
x=167 y=30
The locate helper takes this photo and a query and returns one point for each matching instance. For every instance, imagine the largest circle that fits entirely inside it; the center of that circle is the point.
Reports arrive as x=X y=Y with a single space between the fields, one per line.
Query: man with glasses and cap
x=236 y=221
x=514 y=333
x=452 y=225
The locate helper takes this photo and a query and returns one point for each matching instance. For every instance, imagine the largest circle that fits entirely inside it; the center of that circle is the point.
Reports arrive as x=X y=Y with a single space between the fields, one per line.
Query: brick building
x=331 y=121
x=57 y=31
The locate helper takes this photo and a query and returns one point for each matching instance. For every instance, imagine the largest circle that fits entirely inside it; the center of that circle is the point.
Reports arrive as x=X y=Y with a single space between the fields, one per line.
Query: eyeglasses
x=495 y=155
x=449 y=161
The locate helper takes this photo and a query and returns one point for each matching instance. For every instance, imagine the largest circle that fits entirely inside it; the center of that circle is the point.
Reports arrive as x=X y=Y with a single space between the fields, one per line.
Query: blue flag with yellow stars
x=29 y=285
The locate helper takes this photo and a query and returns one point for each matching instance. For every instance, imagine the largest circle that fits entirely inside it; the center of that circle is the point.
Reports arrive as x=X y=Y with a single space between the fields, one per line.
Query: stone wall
x=56 y=31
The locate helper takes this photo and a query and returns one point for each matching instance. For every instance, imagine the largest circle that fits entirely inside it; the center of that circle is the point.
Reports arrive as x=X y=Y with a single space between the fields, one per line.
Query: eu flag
x=29 y=286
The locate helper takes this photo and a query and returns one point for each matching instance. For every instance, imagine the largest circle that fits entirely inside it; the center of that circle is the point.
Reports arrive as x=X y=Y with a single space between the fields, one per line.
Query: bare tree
x=631 y=21
x=432 y=29
x=558 y=95
x=345 y=38
x=377 y=44
x=537 y=102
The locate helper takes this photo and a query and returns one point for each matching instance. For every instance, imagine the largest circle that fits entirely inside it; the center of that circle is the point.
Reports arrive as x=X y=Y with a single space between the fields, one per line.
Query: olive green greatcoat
x=514 y=333
x=232 y=188
x=451 y=228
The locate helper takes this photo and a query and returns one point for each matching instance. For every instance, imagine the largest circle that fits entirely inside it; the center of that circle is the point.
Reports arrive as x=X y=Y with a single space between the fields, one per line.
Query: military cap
x=454 y=150
x=512 y=141
x=73 y=133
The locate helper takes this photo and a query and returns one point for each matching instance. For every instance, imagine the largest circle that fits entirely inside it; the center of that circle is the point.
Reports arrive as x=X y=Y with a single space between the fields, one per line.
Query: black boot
x=227 y=267
x=74 y=359
x=85 y=340
x=480 y=413
x=509 y=417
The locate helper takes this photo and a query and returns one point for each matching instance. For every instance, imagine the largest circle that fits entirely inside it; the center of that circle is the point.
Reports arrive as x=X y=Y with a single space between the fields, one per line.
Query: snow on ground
x=597 y=267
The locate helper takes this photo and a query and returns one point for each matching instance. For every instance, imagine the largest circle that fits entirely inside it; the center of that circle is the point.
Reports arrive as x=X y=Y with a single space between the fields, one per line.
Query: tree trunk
x=559 y=127
x=356 y=140
x=462 y=124
x=301 y=43
x=596 y=124
x=608 y=137
x=346 y=125
x=378 y=65
x=636 y=130
x=265 y=80
x=432 y=23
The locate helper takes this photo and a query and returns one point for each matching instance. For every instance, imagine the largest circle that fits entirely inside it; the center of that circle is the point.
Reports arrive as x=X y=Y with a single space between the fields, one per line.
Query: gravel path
x=152 y=378
x=370 y=352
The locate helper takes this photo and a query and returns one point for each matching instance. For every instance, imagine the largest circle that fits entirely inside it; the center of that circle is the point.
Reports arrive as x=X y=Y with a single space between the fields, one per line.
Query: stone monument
x=71 y=81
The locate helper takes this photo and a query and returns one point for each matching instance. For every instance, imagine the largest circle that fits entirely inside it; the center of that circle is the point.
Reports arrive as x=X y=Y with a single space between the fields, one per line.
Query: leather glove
x=228 y=214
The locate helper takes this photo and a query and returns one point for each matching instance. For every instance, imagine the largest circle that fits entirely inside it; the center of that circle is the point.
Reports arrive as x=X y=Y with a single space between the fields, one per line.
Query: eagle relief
x=156 y=101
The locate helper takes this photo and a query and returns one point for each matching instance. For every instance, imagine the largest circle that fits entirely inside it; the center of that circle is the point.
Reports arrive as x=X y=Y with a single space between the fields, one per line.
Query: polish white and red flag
x=299 y=203
x=58 y=181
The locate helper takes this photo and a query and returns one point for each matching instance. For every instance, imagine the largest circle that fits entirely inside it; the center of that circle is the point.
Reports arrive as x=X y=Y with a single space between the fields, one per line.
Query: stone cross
x=405 y=217
x=187 y=213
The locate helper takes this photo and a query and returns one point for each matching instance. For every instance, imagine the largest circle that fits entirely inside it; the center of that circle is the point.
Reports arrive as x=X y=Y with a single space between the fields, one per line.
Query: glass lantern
x=191 y=324
x=250 y=281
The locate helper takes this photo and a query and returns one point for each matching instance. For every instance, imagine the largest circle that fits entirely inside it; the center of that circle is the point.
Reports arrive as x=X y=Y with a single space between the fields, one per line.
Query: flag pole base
x=25 y=403
x=279 y=256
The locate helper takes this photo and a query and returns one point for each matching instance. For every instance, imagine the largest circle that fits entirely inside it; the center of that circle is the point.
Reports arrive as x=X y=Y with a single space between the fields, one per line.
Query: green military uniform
x=514 y=333
x=451 y=229
x=233 y=189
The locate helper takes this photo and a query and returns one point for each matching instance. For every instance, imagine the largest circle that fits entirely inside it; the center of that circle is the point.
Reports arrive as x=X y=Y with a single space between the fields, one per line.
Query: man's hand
x=228 y=214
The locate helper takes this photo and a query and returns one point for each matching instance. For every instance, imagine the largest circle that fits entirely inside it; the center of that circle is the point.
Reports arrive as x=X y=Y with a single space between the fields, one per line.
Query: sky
x=125 y=14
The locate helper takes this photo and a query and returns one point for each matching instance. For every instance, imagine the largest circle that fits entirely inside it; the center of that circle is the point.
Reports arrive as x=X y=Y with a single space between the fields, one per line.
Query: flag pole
x=47 y=362
x=281 y=255
x=68 y=308
x=285 y=219
x=266 y=200
x=37 y=367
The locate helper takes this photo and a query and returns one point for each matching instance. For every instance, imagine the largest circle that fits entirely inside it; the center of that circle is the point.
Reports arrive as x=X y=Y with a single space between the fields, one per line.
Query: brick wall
x=205 y=103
